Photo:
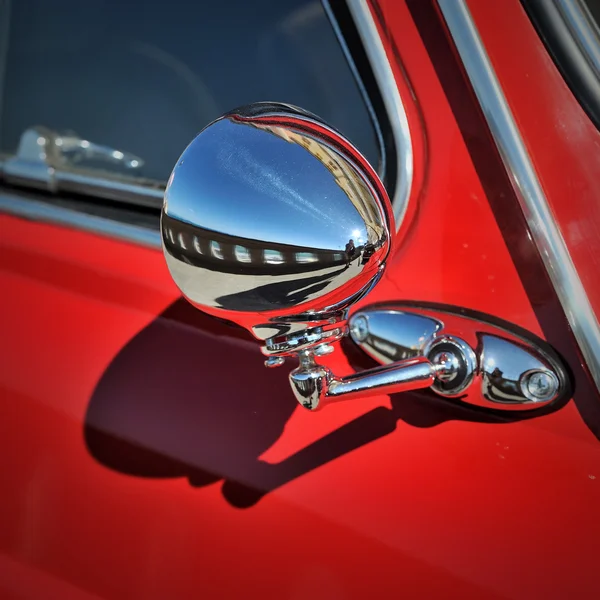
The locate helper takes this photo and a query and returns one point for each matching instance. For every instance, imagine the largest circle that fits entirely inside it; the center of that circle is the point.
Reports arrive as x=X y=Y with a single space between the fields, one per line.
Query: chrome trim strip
x=583 y=28
x=381 y=168
x=530 y=194
x=367 y=29
x=45 y=212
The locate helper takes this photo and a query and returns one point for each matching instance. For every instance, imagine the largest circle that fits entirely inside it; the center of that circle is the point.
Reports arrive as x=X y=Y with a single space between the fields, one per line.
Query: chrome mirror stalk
x=315 y=386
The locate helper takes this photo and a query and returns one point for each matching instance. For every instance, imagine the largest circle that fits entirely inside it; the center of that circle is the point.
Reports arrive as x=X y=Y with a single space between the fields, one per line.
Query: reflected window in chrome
x=242 y=254
x=306 y=257
x=215 y=249
x=273 y=257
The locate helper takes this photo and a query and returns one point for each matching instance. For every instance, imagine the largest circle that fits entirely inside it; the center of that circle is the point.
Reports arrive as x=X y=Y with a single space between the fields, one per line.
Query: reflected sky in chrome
x=241 y=180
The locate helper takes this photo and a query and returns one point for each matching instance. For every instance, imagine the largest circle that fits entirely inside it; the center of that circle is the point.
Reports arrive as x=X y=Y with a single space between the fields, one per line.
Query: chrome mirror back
x=273 y=220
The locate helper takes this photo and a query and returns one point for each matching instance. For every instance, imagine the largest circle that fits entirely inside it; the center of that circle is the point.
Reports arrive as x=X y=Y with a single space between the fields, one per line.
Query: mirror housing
x=273 y=220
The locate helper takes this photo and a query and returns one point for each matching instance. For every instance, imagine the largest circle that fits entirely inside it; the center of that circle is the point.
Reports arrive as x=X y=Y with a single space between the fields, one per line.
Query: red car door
x=147 y=452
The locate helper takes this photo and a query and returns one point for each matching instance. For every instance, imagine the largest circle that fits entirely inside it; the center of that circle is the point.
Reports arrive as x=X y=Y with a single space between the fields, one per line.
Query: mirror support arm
x=315 y=386
x=417 y=349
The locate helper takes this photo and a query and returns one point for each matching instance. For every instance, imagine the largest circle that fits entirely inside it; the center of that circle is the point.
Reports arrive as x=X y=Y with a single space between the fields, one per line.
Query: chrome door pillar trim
x=525 y=182
x=45 y=212
x=582 y=26
x=369 y=35
x=381 y=168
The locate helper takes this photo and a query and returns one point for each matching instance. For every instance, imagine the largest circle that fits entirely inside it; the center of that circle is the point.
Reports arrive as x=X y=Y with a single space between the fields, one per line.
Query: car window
x=138 y=79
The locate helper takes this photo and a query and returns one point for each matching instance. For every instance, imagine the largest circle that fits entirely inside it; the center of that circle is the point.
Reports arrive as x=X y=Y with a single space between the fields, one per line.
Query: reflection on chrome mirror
x=273 y=220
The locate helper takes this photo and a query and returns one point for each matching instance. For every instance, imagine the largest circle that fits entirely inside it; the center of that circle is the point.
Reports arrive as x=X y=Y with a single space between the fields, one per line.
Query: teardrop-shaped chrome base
x=489 y=365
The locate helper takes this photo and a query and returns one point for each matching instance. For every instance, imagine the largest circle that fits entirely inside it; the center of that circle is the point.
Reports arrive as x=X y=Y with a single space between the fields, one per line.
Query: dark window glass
x=144 y=77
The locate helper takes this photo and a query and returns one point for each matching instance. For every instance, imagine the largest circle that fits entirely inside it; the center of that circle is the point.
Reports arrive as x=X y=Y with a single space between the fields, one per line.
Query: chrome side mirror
x=273 y=220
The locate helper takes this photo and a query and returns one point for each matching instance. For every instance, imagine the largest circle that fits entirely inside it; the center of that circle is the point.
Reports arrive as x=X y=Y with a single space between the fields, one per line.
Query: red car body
x=148 y=454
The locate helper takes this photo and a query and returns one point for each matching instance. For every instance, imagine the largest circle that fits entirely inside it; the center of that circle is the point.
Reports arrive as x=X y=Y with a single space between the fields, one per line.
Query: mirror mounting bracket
x=418 y=348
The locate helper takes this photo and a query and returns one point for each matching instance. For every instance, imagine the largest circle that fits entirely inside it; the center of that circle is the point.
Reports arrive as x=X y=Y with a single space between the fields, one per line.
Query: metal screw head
x=539 y=386
x=447 y=365
x=274 y=361
x=359 y=328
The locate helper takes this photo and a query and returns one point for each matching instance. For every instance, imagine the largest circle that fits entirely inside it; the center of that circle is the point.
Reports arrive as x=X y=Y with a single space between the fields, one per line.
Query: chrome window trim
x=572 y=38
x=583 y=27
x=46 y=212
x=381 y=168
x=384 y=76
x=526 y=184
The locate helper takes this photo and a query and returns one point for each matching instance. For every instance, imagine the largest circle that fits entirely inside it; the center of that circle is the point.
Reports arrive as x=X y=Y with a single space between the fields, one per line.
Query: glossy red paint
x=136 y=432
